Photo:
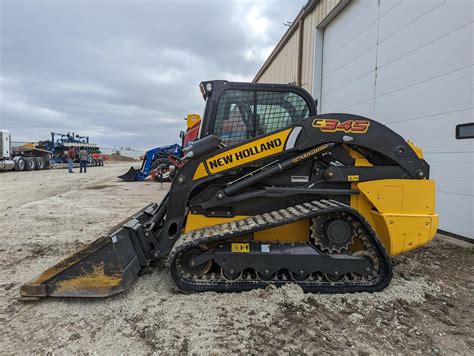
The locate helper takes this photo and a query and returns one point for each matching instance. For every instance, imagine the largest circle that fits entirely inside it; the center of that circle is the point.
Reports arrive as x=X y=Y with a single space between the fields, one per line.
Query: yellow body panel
x=360 y=160
x=404 y=232
x=200 y=172
x=297 y=231
x=192 y=119
x=196 y=221
x=418 y=151
x=401 y=211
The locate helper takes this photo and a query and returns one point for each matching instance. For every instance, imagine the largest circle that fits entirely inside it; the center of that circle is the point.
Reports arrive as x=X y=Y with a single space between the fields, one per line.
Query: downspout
x=299 y=63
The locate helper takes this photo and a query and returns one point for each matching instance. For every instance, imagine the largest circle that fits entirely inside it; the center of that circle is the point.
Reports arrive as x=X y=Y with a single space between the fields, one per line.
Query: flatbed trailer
x=43 y=155
x=26 y=157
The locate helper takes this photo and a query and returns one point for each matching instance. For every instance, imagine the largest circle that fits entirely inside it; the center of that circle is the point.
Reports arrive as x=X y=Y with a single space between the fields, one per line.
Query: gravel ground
x=46 y=215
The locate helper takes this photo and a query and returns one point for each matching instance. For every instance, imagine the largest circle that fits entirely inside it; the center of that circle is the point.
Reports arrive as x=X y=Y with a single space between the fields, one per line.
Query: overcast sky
x=126 y=73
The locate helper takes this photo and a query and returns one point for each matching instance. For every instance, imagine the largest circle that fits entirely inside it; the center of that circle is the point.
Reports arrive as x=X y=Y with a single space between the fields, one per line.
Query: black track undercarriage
x=223 y=258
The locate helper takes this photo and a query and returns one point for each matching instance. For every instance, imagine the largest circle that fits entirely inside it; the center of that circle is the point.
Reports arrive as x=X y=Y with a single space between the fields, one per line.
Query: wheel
x=19 y=163
x=299 y=277
x=266 y=276
x=30 y=163
x=231 y=275
x=334 y=278
x=189 y=266
x=40 y=163
x=163 y=166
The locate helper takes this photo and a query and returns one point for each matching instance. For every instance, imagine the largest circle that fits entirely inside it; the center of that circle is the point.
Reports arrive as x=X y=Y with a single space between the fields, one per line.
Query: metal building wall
x=284 y=67
x=310 y=22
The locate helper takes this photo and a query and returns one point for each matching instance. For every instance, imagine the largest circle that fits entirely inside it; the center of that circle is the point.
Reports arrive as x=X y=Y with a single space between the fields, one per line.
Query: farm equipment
x=161 y=162
x=156 y=159
x=271 y=193
x=60 y=143
x=193 y=124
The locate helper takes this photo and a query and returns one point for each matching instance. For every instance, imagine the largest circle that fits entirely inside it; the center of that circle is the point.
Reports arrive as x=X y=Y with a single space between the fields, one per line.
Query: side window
x=276 y=110
x=243 y=114
x=233 y=123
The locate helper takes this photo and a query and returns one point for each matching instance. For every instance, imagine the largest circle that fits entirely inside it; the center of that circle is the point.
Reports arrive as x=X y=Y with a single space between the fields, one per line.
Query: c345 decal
x=349 y=126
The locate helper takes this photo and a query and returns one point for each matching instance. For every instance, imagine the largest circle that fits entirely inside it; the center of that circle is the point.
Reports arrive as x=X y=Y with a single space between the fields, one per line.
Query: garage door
x=409 y=65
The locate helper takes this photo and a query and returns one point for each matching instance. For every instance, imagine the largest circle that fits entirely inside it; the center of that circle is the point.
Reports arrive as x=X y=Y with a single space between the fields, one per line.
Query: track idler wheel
x=266 y=275
x=190 y=266
x=231 y=275
x=300 y=276
x=334 y=277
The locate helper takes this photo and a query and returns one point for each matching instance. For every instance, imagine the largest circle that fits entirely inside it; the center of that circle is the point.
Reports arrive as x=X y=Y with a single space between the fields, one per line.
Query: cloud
x=125 y=73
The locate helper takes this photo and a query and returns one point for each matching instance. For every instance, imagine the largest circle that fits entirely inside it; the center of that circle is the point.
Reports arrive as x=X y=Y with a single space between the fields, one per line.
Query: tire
x=40 y=164
x=30 y=164
x=19 y=163
x=163 y=161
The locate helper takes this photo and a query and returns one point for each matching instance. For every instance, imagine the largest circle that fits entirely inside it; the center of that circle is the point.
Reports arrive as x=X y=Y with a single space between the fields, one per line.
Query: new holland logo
x=249 y=152
x=245 y=153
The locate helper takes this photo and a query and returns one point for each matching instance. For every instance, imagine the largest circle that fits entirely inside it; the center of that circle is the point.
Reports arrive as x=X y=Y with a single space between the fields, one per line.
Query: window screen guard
x=243 y=114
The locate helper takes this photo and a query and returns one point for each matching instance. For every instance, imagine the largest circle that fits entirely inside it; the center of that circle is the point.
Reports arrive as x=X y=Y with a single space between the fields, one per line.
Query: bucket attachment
x=130 y=176
x=106 y=266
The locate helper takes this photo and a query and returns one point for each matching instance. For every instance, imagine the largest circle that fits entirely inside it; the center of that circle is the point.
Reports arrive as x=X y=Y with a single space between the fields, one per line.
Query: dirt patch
x=427 y=308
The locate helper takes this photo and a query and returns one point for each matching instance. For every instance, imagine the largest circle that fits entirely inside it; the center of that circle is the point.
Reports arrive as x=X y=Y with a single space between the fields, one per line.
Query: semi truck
x=26 y=157
x=45 y=154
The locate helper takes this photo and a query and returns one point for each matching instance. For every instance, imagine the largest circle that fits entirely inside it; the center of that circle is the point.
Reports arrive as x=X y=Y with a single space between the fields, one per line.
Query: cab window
x=243 y=114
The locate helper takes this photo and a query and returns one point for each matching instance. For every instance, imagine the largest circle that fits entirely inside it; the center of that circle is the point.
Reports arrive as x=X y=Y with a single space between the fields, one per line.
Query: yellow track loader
x=271 y=193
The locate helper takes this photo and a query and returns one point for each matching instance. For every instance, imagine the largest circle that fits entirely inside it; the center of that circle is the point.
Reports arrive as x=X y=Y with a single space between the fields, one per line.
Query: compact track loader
x=271 y=193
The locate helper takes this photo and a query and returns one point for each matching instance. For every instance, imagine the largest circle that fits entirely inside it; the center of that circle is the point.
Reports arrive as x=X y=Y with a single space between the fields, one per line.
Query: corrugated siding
x=283 y=67
x=311 y=21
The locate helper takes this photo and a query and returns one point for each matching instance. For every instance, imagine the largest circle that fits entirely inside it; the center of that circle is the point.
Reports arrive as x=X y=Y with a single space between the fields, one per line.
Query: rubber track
x=265 y=221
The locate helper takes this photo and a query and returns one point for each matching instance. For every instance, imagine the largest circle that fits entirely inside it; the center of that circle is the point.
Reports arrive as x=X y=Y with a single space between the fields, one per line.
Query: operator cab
x=236 y=112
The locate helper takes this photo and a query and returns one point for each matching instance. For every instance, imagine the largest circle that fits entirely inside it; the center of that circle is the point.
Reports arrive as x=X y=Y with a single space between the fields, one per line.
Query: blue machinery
x=148 y=162
x=61 y=142
x=64 y=139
